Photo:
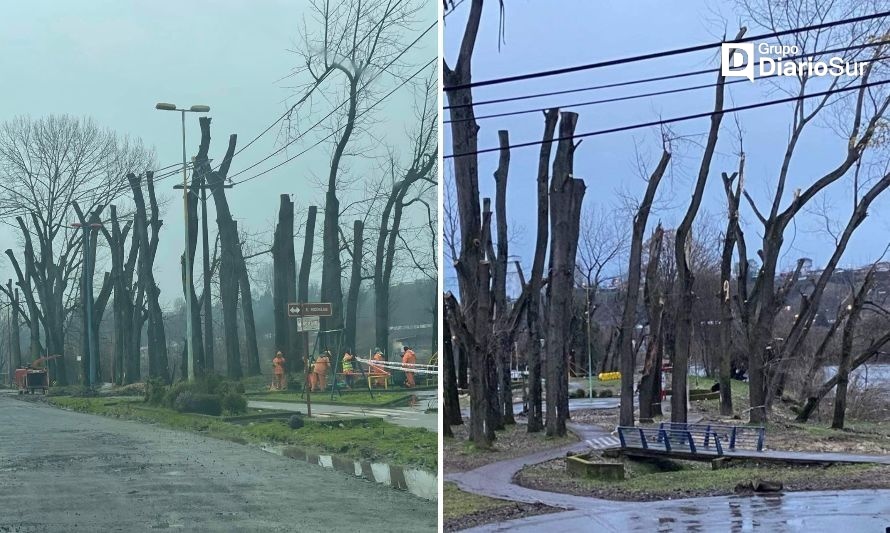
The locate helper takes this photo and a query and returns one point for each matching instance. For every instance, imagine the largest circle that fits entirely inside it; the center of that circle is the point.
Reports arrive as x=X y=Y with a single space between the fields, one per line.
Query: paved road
x=65 y=471
x=403 y=416
x=863 y=510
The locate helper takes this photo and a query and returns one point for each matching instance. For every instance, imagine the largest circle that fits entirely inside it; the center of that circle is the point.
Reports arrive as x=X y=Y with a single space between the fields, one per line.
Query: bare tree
x=47 y=165
x=361 y=41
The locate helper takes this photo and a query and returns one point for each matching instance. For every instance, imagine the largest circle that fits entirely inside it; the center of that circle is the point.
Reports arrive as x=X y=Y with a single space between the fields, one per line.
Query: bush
x=295 y=422
x=196 y=402
x=234 y=403
x=155 y=391
x=580 y=393
x=606 y=393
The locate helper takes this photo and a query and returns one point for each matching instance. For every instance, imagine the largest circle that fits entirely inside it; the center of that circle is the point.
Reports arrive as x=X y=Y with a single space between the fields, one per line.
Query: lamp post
x=589 y=354
x=185 y=203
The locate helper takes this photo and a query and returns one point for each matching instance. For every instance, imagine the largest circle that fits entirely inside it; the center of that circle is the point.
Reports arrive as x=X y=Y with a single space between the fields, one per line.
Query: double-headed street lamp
x=185 y=203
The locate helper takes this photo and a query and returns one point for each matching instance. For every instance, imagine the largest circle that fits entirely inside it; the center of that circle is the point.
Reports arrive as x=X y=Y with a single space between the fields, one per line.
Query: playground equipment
x=609 y=376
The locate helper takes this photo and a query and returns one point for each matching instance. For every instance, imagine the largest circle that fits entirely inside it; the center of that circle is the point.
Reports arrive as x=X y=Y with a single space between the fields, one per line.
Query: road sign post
x=308 y=313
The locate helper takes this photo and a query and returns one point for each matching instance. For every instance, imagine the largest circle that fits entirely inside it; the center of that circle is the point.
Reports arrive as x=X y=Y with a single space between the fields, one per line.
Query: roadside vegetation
x=463 y=510
x=363 y=439
x=651 y=481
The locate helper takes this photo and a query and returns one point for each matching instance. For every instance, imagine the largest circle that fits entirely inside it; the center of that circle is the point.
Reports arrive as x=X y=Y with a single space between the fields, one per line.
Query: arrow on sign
x=293 y=310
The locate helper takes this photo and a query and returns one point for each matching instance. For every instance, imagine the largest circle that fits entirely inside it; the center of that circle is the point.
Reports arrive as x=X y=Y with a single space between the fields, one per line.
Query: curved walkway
x=801 y=511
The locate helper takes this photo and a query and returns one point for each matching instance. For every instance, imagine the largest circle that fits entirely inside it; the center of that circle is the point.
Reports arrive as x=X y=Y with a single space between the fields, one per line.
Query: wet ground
x=65 y=471
x=848 y=511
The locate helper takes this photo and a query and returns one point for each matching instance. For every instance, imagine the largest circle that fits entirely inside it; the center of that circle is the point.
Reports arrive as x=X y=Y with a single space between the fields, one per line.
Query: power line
x=618 y=98
x=677 y=119
x=650 y=79
x=343 y=103
x=657 y=55
x=387 y=95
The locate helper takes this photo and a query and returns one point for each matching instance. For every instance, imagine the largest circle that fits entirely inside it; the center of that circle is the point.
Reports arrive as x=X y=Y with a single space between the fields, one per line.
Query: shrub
x=580 y=393
x=234 y=403
x=606 y=393
x=295 y=422
x=196 y=402
x=155 y=391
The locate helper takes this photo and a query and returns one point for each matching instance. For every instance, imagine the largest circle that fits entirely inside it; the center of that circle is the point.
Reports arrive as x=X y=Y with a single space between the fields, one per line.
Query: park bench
x=733 y=437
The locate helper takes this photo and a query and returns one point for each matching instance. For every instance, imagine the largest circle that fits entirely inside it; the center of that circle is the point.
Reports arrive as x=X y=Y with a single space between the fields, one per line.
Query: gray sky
x=113 y=60
x=539 y=37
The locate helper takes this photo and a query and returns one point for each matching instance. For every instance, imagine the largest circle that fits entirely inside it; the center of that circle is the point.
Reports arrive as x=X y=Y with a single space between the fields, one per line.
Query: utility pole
x=589 y=355
x=185 y=254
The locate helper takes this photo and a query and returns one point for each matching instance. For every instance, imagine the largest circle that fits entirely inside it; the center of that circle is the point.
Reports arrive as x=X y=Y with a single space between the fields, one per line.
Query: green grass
x=647 y=481
x=370 y=440
x=457 y=503
x=357 y=397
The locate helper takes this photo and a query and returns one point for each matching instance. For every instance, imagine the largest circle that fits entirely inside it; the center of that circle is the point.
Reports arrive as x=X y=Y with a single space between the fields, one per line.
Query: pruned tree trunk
x=451 y=414
x=725 y=296
x=625 y=351
x=843 y=367
x=15 y=348
x=653 y=297
x=281 y=244
x=306 y=267
x=188 y=280
x=157 y=339
x=355 y=284
x=566 y=196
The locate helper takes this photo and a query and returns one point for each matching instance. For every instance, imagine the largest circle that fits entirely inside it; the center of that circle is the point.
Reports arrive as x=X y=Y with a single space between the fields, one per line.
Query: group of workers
x=321 y=366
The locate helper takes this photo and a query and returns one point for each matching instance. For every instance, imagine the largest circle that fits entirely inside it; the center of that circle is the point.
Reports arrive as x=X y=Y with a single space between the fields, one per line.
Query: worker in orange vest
x=409 y=358
x=348 y=369
x=321 y=369
x=378 y=370
x=278 y=371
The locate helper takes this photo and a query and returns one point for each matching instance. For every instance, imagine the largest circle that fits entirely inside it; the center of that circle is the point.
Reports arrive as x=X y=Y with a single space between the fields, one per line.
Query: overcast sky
x=539 y=37
x=112 y=60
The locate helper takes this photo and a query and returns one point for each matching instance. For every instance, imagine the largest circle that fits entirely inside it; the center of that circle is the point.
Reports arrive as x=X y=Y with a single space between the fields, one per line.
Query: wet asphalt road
x=65 y=471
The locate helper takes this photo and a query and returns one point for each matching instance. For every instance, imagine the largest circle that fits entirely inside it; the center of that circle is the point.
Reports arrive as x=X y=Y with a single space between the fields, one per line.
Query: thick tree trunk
x=15 y=348
x=534 y=323
x=566 y=196
x=451 y=415
x=188 y=282
x=653 y=296
x=625 y=351
x=843 y=368
x=305 y=269
x=157 y=340
x=280 y=289
x=355 y=284
x=250 y=337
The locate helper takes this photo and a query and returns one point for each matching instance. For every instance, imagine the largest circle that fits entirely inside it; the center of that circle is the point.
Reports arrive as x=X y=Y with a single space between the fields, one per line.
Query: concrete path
x=65 y=471
x=804 y=511
x=403 y=416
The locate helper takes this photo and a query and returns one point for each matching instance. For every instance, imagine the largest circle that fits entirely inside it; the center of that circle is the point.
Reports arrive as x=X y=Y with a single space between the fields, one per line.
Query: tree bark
x=451 y=415
x=533 y=322
x=625 y=351
x=653 y=296
x=843 y=368
x=355 y=284
x=566 y=196
x=725 y=295
x=305 y=268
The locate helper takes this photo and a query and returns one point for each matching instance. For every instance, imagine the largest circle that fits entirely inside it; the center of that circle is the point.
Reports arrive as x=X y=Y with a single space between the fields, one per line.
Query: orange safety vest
x=278 y=365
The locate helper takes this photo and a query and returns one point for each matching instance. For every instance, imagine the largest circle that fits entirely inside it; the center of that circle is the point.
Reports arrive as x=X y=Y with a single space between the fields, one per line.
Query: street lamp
x=188 y=271
x=589 y=355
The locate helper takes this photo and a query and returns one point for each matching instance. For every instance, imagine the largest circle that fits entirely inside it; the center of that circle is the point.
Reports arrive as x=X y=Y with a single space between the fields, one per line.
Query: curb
x=420 y=483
